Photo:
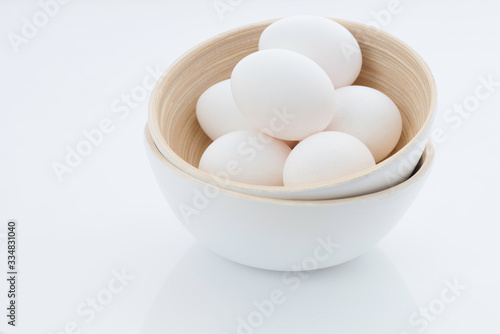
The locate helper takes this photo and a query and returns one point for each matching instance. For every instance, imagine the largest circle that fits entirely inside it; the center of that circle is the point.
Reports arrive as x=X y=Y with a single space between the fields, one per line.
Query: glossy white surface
x=109 y=213
x=279 y=234
x=366 y=295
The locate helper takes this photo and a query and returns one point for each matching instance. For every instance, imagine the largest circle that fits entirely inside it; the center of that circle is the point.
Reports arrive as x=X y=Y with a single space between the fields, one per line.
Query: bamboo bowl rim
x=176 y=160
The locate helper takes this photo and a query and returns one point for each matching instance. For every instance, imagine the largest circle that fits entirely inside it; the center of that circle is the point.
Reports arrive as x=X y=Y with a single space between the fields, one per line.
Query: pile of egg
x=289 y=115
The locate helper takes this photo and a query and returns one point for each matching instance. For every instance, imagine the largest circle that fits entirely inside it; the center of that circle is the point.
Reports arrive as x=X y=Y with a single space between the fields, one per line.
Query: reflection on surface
x=207 y=294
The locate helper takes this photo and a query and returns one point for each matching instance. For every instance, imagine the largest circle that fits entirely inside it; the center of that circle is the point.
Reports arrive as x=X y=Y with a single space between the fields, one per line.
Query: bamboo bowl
x=389 y=65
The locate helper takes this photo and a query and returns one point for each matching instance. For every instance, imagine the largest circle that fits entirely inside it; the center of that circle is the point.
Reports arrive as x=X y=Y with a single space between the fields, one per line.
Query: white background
x=108 y=214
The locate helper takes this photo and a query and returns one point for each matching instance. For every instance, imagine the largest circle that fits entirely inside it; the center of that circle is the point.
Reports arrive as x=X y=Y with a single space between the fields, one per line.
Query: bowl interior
x=389 y=65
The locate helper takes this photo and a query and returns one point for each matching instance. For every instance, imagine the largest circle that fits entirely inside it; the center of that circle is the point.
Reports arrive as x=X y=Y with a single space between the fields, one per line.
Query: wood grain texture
x=389 y=65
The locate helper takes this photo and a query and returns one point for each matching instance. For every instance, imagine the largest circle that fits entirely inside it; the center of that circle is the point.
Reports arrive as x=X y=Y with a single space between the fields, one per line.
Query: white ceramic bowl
x=389 y=65
x=283 y=234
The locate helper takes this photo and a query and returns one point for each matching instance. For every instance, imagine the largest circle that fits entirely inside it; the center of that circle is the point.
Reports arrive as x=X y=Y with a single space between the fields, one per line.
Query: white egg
x=248 y=157
x=283 y=93
x=369 y=115
x=217 y=113
x=324 y=157
x=325 y=41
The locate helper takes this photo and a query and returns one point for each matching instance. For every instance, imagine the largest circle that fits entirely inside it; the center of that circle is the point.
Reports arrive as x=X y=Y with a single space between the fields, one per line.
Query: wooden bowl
x=389 y=65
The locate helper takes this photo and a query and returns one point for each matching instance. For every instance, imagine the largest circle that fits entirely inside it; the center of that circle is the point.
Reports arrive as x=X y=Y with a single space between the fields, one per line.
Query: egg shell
x=324 y=157
x=323 y=40
x=217 y=113
x=246 y=156
x=369 y=115
x=283 y=94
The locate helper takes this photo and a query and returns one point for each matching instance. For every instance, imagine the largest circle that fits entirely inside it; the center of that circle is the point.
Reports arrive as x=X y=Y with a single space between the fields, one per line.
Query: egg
x=369 y=115
x=324 y=157
x=283 y=94
x=248 y=157
x=325 y=41
x=217 y=113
